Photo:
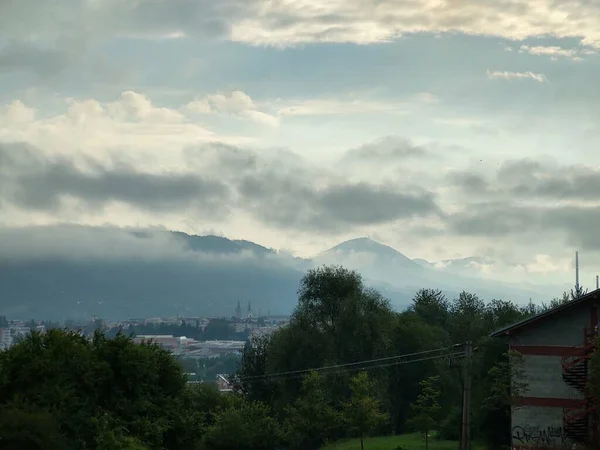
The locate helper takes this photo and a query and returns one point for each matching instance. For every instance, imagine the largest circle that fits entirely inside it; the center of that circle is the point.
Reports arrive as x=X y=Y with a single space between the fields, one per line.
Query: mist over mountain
x=59 y=272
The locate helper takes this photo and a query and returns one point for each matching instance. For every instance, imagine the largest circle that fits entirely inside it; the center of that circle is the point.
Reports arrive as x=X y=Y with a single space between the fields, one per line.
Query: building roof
x=510 y=329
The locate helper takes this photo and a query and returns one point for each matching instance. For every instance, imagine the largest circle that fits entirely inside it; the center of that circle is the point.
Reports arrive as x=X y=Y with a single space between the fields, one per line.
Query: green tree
x=363 y=412
x=26 y=427
x=426 y=408
x=312 y=419
x=432 y=306
x=504 y=381
x=244 y=426
x=92 y=387
x=249 y=379
x=337 y=320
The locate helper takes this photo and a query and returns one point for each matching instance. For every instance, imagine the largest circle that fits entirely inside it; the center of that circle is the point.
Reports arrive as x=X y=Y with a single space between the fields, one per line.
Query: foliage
x=363 y=411
x=427 y=408
x=505 y=380
x=93 y=387
x=312 y=419
x=245 y=426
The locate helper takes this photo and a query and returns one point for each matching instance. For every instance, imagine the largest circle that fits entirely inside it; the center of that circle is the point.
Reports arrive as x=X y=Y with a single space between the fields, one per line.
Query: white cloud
x=235 y=103
x=131 y=125
x=136 y=106
x=16 y=113
x=555 y=52
x=324 y=107
x=288 y=22
x=503 y=75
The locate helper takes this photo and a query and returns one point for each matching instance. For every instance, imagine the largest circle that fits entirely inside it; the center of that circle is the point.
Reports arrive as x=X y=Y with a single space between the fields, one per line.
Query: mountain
x=80 y=272
x=113 y=273
x=383 y=265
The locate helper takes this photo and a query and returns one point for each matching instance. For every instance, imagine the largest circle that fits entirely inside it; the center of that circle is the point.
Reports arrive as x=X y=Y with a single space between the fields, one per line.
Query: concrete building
x=557 y=411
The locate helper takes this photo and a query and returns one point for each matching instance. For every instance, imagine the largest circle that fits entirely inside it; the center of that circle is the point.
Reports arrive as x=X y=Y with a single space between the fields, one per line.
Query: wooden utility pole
x=465 y=440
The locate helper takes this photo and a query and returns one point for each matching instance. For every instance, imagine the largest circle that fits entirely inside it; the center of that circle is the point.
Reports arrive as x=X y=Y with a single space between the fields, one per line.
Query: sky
x=445 y=129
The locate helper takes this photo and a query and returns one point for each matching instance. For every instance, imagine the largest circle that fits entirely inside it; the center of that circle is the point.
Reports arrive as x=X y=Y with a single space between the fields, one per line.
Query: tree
x=427 y=408
x=92 y=388
x=312 y=419
x=27 y=427
x=249 y=379
x=431 y=306
x=363 y=412
x=244 y=426
x=504 y=381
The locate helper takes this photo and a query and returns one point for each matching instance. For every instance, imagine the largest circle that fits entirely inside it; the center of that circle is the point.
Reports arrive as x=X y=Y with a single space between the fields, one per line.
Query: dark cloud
x=387 y=149
x=468 y=181
x=35 y=182
x=23 y=56
x=536 y=198
x=528 y=179
x=577 y=223
x=276 y=187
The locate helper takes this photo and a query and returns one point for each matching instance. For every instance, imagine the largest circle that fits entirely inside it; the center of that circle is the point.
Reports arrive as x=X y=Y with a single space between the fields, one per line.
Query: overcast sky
x=445 y=129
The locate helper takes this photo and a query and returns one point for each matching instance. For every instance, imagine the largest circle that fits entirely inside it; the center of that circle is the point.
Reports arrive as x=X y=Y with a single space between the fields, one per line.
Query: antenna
x=576 y=271
x=597 y=282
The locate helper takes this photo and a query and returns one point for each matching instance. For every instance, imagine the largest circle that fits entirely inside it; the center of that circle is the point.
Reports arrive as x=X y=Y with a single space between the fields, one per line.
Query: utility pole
x=577 y=273
x=465 y=441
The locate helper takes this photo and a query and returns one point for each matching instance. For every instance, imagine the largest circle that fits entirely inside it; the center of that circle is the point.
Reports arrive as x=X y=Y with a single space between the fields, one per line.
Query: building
x=238 y=311
x=175 y=344
x=556 y=411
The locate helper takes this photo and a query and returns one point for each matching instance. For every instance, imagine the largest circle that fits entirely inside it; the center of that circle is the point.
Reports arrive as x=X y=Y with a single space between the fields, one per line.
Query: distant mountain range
x=115 y=273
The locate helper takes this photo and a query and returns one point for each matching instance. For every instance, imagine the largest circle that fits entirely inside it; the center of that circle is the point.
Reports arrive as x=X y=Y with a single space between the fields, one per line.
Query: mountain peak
x=365 y=245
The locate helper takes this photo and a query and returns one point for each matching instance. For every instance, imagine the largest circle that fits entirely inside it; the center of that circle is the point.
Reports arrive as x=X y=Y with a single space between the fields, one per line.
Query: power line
x=352 y=369
x=349 y=366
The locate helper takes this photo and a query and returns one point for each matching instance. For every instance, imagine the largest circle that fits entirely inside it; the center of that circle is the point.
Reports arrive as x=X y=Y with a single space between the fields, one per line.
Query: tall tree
x=363 y=411
x=426 y=408
x=312 y=419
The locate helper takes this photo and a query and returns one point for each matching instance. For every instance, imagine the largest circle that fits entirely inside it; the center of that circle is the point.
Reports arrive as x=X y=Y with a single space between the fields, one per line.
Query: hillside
x=70 y=272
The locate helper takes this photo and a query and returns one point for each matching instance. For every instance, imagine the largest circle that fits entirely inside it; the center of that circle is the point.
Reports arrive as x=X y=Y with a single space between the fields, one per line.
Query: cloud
x=388 y=149
x=327 y=107
x=17 y=56
x=107 y=243
x=16 y=113
x=131 y=124
x=32 y=181
x=235 y=103
x=555 y=52
x=539 y=77
x=283 y=23
x=277 y=188
x=537 y=198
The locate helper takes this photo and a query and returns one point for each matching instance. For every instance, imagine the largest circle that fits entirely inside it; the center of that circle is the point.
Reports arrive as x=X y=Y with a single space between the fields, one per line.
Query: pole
x=597 y=282
x=577 y=273
x=465 y=441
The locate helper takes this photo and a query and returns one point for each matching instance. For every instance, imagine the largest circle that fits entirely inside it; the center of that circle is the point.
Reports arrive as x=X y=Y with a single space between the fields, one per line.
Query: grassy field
x=404 y=442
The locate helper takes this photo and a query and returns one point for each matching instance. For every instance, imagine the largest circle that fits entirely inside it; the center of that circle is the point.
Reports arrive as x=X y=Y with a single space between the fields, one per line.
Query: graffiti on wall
x=536 y=435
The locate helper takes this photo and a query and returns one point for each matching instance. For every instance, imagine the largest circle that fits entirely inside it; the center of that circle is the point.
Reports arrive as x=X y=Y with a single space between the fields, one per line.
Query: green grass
x=405 y=441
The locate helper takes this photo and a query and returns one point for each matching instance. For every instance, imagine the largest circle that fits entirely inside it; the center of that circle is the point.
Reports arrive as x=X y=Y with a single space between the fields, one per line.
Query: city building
x=556 y=411
x=174 y=344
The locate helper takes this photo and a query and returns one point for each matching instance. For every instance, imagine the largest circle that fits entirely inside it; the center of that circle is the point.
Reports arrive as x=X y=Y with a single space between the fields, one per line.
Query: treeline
x=62 y=390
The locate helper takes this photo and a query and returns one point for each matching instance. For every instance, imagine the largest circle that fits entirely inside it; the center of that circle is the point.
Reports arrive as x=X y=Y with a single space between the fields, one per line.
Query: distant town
x=208 y=348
